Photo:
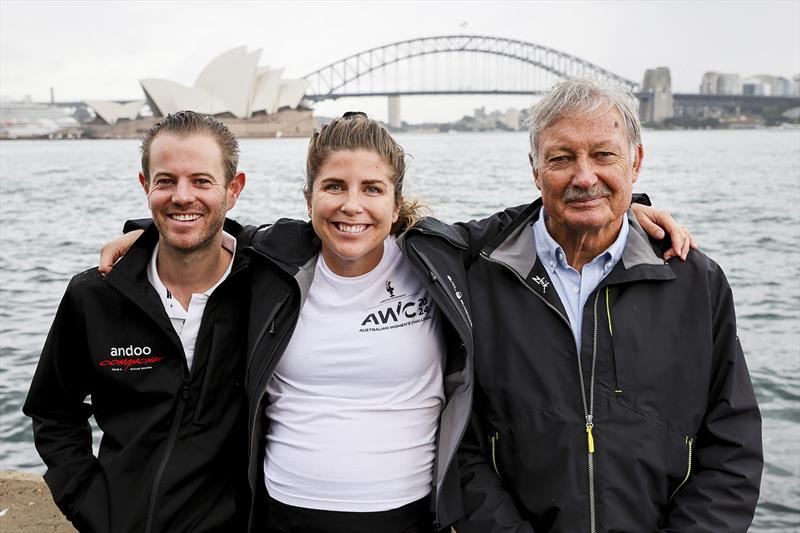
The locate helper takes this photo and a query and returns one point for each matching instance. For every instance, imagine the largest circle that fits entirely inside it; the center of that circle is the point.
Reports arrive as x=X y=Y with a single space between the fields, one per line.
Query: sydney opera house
x=253 y=100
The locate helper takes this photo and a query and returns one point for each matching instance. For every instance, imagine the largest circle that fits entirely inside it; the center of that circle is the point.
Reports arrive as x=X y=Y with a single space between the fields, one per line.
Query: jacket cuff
x=641 y=198
x=138 y=223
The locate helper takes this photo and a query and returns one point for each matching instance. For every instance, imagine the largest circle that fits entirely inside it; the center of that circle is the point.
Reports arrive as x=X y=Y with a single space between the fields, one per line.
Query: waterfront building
x=232 y=85
x=720 y=83
x=729 y=84
x=709 y=83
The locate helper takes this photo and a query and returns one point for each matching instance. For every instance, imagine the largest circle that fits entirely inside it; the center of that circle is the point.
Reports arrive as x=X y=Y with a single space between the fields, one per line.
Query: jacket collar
x=436 y=228
x=515 y=248
x=129 y=275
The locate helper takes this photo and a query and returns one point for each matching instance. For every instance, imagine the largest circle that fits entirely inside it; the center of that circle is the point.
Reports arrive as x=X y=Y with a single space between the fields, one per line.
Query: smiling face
x=586 y=173
x=187 y=193
x=352 y=208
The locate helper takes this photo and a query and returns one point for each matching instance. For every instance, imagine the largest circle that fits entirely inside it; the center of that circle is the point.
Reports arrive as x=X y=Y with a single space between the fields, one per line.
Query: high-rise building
x=710 y=83
x=720 y=83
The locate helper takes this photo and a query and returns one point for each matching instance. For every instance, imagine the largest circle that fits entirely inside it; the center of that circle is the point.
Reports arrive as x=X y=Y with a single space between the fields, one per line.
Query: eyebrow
x=369 y=181
x=193 y=175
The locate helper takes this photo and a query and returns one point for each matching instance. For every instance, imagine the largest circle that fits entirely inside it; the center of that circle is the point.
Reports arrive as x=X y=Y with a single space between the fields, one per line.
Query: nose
x=584 y=175
x=183 y=193
x=351 y=204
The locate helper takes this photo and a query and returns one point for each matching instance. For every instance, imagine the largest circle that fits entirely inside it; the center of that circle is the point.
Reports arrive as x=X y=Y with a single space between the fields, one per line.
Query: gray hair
x=580 y=96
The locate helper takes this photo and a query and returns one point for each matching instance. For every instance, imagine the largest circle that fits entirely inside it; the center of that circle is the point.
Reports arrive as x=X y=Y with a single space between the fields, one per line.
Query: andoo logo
x=124 y=358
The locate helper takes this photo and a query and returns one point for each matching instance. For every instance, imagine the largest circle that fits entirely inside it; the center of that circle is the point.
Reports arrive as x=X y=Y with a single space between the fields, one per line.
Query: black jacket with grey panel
x=283 y=258
x=676 y=431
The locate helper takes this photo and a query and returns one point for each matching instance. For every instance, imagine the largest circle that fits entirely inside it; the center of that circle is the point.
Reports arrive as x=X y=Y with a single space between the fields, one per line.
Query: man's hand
x=655 y=222
x=111 y=252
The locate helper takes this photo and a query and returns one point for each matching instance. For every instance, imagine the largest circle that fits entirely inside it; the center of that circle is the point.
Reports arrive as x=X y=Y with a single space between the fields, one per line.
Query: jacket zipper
x=176 y=423
x=689 y=446
x=256 y=405
x=587 y=409
x=269 y=326
x=493 y=441
x=589 y=413
x=173 y=434
x=464 y=320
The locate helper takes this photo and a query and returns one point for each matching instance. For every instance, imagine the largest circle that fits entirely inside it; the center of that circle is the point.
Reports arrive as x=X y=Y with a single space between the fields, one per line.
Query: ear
x=637 y=162
x=235 y=189
x=536 y=179
x=397 y=206
x=143 y=183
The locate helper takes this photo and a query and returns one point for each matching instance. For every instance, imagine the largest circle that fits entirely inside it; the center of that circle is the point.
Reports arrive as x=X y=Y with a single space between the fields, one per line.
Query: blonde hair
x=355 y=131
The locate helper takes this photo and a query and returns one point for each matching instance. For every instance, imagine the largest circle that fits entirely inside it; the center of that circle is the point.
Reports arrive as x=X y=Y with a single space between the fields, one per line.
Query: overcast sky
x=99 y=50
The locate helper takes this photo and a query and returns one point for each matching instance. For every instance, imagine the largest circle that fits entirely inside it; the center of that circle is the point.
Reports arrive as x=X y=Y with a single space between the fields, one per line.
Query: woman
x=359 y=374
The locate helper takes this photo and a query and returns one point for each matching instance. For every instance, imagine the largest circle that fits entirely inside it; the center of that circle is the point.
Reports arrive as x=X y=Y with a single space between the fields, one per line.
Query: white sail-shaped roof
x=230 y=77
x=268 y=87
x=232 y=83
x=110 y=112
x=292 y=92
x=170 y=97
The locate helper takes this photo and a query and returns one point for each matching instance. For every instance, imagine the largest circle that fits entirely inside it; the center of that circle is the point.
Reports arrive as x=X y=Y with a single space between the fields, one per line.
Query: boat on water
x=28 y=119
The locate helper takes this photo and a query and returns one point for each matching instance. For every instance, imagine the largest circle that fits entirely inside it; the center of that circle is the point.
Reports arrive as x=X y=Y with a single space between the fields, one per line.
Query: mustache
x=598 y=190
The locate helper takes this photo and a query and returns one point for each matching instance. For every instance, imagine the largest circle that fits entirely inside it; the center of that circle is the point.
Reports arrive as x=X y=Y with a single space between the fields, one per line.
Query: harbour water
x=738 y=191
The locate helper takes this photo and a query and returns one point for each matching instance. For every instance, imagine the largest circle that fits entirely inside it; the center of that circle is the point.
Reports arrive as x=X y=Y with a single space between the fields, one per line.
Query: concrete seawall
x=27 y=507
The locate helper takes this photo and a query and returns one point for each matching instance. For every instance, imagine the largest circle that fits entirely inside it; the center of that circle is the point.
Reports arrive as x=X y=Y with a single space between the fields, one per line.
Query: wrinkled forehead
x=600 y=124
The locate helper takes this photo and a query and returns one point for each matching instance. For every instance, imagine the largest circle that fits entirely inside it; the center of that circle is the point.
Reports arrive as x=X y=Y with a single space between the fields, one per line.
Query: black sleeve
x=722 y=489
x=56 y=403
x=137 y=223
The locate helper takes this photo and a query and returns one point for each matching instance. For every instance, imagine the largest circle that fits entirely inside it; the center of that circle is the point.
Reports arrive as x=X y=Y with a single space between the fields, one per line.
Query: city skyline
x=100 y=50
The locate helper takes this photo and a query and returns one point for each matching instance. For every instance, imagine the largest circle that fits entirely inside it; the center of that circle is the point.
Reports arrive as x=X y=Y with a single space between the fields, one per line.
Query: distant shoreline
x=26 y=505
x=786 y=127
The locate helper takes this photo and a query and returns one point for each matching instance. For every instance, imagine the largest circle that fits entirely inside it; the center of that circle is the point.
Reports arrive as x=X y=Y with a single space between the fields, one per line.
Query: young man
x=155 y=352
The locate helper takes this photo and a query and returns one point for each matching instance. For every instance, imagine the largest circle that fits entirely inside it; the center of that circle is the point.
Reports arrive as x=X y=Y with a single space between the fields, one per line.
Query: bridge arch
x=343 y=78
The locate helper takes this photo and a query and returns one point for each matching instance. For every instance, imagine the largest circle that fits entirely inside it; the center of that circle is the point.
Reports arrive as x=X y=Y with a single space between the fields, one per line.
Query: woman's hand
x=656 y=222
x=111 y=252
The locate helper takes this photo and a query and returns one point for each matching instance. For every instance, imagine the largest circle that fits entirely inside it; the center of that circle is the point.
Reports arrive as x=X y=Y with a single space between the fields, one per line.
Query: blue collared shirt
x=574 y=287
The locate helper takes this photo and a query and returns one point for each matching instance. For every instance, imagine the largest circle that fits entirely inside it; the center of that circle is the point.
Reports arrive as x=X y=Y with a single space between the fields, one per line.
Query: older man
x=158 y=347
x=611 y=389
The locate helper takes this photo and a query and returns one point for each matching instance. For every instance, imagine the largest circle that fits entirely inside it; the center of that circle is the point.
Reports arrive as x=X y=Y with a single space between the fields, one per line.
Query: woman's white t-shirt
x=354 y=403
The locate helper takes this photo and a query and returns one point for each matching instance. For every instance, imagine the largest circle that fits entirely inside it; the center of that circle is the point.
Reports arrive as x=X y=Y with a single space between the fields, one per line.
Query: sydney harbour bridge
x=478 y=64
x=455 y=64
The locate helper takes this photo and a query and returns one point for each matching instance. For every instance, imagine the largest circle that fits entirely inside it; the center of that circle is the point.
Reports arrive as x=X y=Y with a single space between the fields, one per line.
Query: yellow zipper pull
x=589 y=436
